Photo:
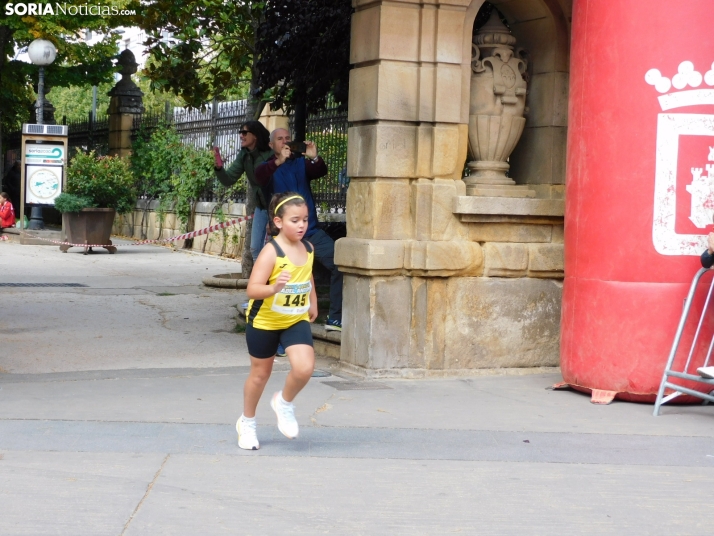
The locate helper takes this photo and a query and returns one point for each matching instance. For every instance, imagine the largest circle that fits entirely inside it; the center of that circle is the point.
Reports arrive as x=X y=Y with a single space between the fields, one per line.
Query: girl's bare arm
x=258 y=288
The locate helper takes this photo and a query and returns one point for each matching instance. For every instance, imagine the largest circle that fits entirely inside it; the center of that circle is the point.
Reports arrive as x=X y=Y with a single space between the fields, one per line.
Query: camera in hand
x=297 y=147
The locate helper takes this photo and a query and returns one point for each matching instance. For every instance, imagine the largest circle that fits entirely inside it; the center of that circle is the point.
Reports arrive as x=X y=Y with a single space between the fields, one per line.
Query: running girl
x=282 y=303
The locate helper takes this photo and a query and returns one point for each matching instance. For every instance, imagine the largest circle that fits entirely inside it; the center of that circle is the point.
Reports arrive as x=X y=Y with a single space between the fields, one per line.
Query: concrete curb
x=226 y=281
x=413 y=374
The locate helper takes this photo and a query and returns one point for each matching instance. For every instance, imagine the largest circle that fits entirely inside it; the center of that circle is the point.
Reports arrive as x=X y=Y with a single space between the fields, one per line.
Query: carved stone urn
x=498 y=99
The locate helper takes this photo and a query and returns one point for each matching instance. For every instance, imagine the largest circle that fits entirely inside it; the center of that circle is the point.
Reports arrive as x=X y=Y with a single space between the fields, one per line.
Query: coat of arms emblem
x=684 y=171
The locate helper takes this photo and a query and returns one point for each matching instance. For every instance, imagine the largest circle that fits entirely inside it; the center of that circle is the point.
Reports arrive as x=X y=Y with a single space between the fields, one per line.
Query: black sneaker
x=333 y=325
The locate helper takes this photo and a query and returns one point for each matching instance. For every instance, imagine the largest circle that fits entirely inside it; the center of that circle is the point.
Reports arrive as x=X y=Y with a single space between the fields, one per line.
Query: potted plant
x=97 y=188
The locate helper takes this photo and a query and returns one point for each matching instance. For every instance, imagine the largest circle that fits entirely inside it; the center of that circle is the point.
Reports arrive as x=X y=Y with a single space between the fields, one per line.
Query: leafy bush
x=154 y=158
x=72 y=203
x=175 y=173
x=189 y=182
x=107 y=181
x=332 y=147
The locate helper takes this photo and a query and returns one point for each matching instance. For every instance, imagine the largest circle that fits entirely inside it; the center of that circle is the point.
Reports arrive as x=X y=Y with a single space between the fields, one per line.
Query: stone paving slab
x=254 y=496
x=77 y=493
x=170 y=397
x=55 y=332
x=214 y=395
x=377 y=443
x=137 y=494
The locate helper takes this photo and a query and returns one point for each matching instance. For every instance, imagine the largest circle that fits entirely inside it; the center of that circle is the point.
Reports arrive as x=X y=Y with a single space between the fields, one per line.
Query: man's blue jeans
x=257 y=234
x=325 y=255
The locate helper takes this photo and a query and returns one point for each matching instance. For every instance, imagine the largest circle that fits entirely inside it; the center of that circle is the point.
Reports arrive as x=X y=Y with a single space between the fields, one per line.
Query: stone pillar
x=273 y=119
x=407 y=149
x=435 y=281
x=125 y=103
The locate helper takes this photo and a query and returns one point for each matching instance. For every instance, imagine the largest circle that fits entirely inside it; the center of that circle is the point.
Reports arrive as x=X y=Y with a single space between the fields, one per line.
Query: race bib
x=294 y=299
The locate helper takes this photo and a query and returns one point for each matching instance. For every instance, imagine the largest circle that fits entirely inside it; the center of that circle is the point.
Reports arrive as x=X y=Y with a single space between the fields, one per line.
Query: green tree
x=203 y=50
x=75 y=102
x=210 y=51
x=303 y=53
x=76 y=63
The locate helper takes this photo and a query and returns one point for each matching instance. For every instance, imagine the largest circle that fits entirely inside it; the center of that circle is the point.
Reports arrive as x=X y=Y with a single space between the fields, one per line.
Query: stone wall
x=144 y=223
x=490 y=300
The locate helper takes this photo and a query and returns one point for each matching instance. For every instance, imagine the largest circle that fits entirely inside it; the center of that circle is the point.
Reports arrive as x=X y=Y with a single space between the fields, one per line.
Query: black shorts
x=263 y=343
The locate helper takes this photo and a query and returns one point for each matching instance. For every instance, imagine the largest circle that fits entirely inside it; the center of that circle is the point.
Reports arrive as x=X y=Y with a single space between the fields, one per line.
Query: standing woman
x=254 y=150
x=282 y=305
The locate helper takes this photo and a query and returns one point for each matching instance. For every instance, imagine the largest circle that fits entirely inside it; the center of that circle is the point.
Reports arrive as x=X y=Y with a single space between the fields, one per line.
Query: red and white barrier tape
x=185 y=236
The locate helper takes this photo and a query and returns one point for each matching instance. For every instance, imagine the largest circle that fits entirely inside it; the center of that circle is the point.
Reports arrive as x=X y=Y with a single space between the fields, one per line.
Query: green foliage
x=16 y=94
x=332 y=146
x=210 y=51
x=303 y=52
x=75 y=102
x=76 y=63
x=194 y=172
x=154 y=159
x=65 y=202
x=175 y=173
x=106 y=180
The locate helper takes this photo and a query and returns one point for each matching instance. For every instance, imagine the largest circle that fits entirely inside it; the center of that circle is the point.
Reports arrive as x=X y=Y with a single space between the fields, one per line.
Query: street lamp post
x=42 y=52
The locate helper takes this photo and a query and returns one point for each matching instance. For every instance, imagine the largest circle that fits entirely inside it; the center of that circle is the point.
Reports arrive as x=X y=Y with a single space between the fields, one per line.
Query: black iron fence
x=89 y=135
x=328 y=130
x=218 y=124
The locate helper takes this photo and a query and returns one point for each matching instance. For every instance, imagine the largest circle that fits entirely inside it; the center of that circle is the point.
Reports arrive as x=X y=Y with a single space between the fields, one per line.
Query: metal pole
x=94 y=103
x=41 y=96
x=36 y=220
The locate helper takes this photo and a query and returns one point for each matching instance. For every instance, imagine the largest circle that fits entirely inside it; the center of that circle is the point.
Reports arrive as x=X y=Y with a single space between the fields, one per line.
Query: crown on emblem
x=686 y=76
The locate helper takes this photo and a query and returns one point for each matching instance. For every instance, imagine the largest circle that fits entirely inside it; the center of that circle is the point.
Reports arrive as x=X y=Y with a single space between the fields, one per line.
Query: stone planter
x=91 y=226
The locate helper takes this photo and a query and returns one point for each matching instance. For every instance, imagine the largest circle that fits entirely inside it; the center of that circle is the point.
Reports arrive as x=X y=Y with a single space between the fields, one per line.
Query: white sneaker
x=247 y=438
x=706 y=372
x=285 y=411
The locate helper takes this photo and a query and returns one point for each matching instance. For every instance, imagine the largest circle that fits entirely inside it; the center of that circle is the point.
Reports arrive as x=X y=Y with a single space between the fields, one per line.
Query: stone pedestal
x=48 y=109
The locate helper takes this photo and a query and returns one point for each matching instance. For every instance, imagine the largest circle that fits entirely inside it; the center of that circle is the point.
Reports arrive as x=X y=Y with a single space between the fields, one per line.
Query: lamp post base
x=36 y=220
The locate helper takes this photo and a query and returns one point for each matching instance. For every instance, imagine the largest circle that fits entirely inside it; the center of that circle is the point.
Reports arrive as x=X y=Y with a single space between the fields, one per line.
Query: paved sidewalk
x=118 y=402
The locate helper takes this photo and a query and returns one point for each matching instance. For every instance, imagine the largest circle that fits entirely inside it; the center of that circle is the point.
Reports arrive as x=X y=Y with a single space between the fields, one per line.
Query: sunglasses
x=244 y=132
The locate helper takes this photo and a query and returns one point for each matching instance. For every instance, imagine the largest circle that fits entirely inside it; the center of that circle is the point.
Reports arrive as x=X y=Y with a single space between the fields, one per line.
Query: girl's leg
x=260 y=370
x=302 y=363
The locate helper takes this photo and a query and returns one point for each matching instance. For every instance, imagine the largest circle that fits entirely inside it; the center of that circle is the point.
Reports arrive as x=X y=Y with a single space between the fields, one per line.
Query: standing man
x=288 y=172
x=254 y=150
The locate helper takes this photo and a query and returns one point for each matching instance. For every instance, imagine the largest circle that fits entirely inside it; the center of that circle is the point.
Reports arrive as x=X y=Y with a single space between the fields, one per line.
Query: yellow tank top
x=290 y=305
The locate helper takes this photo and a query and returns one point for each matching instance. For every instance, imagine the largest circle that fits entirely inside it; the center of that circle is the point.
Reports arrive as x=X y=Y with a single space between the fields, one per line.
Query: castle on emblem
x=688 y=89
x=702 y=191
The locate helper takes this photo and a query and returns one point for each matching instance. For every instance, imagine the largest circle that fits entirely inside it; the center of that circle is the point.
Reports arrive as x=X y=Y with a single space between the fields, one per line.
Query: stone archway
x=436 y=280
